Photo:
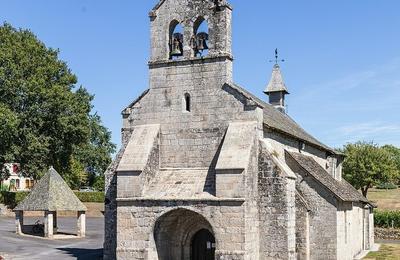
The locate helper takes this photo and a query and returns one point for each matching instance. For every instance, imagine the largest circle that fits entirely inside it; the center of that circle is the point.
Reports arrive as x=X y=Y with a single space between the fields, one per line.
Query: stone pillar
x=48 y=224
x=19 y=222
x=55 y=225
x=81 y=224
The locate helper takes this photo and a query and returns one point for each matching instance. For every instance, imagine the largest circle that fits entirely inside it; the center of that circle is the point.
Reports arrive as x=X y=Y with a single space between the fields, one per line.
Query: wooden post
x=48 y=224
x=81 y=224
x=55 y=225
x=19 y=222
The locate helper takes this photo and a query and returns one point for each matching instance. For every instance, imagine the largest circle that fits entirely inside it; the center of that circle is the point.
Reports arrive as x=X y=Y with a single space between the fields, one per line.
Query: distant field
x=386 y=252
x=385 y=199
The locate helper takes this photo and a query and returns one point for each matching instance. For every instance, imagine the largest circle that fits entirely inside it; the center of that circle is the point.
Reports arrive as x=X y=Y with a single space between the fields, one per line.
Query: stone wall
x=353 y=230
x=322 y=216
x=302 y=228
x=188 y=13
x=276 y=210
x=142 y=224
x=110 y=207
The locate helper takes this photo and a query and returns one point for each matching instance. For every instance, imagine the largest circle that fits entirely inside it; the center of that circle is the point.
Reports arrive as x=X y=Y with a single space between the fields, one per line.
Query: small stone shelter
x=51 y=195
x=208 y=170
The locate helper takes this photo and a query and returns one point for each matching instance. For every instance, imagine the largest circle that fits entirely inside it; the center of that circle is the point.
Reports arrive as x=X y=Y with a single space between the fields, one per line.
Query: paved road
x=15 y=247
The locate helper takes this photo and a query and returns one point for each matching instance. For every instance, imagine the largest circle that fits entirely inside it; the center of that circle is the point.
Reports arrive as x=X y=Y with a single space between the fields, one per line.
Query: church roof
x=51 y=193
x=276 y=84
x=341 y=189
x=281 y=122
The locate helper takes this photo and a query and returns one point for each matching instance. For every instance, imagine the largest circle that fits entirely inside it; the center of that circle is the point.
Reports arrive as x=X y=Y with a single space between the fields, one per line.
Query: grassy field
x=386 y=252
x=385 y=199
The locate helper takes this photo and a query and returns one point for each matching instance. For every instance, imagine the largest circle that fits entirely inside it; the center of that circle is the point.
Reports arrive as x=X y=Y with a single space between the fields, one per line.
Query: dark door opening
x=203 y=246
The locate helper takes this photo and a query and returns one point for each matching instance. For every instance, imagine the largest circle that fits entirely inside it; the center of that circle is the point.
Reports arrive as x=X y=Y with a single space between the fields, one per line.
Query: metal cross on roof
x=277 y=60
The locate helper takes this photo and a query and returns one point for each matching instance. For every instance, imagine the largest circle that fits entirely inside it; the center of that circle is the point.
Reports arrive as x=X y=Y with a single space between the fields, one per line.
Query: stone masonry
x=209 y=171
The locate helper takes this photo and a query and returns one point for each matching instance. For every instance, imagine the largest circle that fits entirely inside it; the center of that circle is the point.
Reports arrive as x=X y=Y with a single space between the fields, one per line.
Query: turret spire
x=276 y=88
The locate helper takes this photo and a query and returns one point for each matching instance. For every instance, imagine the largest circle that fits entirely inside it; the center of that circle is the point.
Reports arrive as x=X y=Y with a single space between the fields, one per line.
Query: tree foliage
x=367 y=164
x=45 y=119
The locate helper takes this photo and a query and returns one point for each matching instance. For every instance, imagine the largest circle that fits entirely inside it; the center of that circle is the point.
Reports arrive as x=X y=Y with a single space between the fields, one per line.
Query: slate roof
x=341 y=189
x=276 y=84
x=51 y=193
x=282 y=122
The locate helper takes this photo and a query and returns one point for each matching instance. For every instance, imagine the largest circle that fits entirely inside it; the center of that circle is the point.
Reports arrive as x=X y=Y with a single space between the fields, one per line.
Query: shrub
x=386 y=186
x=90 y=196
x=387 y=219
x=12 y=199
x=4 y=187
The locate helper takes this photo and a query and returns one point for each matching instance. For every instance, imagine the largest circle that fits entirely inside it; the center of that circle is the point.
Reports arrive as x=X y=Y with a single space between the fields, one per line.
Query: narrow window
x=187 y=103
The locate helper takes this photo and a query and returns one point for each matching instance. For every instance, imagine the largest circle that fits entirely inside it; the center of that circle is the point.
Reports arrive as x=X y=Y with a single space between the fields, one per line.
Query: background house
x=16 y=181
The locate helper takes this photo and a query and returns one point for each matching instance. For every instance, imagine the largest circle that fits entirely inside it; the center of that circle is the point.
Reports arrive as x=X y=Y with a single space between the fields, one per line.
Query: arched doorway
x=183 y=234
x=203 y=246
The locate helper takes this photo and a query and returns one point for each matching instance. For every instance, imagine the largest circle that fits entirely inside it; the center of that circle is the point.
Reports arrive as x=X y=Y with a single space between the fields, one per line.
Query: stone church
x=209 y=171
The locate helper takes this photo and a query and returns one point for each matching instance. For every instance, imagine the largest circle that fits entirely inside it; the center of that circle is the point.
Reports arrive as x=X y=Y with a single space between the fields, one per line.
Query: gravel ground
x=15 y=247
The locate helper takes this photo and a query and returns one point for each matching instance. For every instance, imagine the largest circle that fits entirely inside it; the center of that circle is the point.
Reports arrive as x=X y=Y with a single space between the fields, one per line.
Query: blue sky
x=342 y=57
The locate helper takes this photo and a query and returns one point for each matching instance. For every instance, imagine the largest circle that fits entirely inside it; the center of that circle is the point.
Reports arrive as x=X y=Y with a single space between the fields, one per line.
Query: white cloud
x=370 y=128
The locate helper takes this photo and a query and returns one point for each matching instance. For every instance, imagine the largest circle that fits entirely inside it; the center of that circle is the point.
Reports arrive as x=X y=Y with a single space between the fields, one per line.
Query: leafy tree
x=395 y=154
x=95 y=154
x=367 y=164
x=45 y=119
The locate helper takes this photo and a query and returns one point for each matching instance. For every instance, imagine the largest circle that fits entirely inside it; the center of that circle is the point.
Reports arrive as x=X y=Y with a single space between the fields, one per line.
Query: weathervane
x=277 y=58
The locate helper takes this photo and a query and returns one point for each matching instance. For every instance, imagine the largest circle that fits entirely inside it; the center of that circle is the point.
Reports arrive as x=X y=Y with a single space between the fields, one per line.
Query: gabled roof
x=281 y=122
x=51 y=193
x=341 y=189
x=144 y=93
x=276 y=84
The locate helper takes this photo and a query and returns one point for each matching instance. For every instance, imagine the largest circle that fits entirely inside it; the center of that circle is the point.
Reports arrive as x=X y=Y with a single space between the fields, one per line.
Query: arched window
x=175 y=40
x=200 y=37
x=187 y=103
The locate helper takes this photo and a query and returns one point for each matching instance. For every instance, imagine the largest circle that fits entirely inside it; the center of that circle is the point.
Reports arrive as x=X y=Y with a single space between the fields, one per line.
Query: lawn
x=385 y=199
x=386 y=252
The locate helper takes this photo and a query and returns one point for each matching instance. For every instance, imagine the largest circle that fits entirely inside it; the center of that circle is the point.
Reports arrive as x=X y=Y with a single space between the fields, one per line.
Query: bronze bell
x=176 y=45
x=202 y=41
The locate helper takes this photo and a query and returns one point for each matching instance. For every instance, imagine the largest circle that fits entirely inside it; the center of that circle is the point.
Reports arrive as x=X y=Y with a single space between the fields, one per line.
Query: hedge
x=386 y=186
x=11 y=199
x=387 y=219
x=90 y=196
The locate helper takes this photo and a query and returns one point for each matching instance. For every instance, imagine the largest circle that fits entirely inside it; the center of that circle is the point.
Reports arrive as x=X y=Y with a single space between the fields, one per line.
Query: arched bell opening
x=182 y=234
x=199 y=41
x=175 y=40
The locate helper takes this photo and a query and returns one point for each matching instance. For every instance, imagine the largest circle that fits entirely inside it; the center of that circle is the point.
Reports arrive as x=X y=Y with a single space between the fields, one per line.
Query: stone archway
x=175 y=232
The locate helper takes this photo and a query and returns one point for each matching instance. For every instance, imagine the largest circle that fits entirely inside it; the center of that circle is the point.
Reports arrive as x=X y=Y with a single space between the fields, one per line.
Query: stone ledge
x=191 y=61
x=182 y=199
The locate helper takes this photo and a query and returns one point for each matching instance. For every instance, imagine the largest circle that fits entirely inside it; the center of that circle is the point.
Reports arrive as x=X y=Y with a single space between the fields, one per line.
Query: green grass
x=386 y=252
x=385 y=199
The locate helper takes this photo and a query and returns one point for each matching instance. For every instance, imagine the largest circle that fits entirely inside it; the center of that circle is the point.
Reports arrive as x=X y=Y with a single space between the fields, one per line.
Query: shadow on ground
x=84 y=254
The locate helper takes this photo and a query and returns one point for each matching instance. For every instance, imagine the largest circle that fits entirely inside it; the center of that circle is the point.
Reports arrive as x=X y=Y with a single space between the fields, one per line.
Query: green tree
x=48 y=118
x=395 y=154
x=95 y=154
x=367 y=164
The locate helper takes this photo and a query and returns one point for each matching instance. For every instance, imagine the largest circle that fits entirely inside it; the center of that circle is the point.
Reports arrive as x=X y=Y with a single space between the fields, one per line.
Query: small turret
x=276 y=89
